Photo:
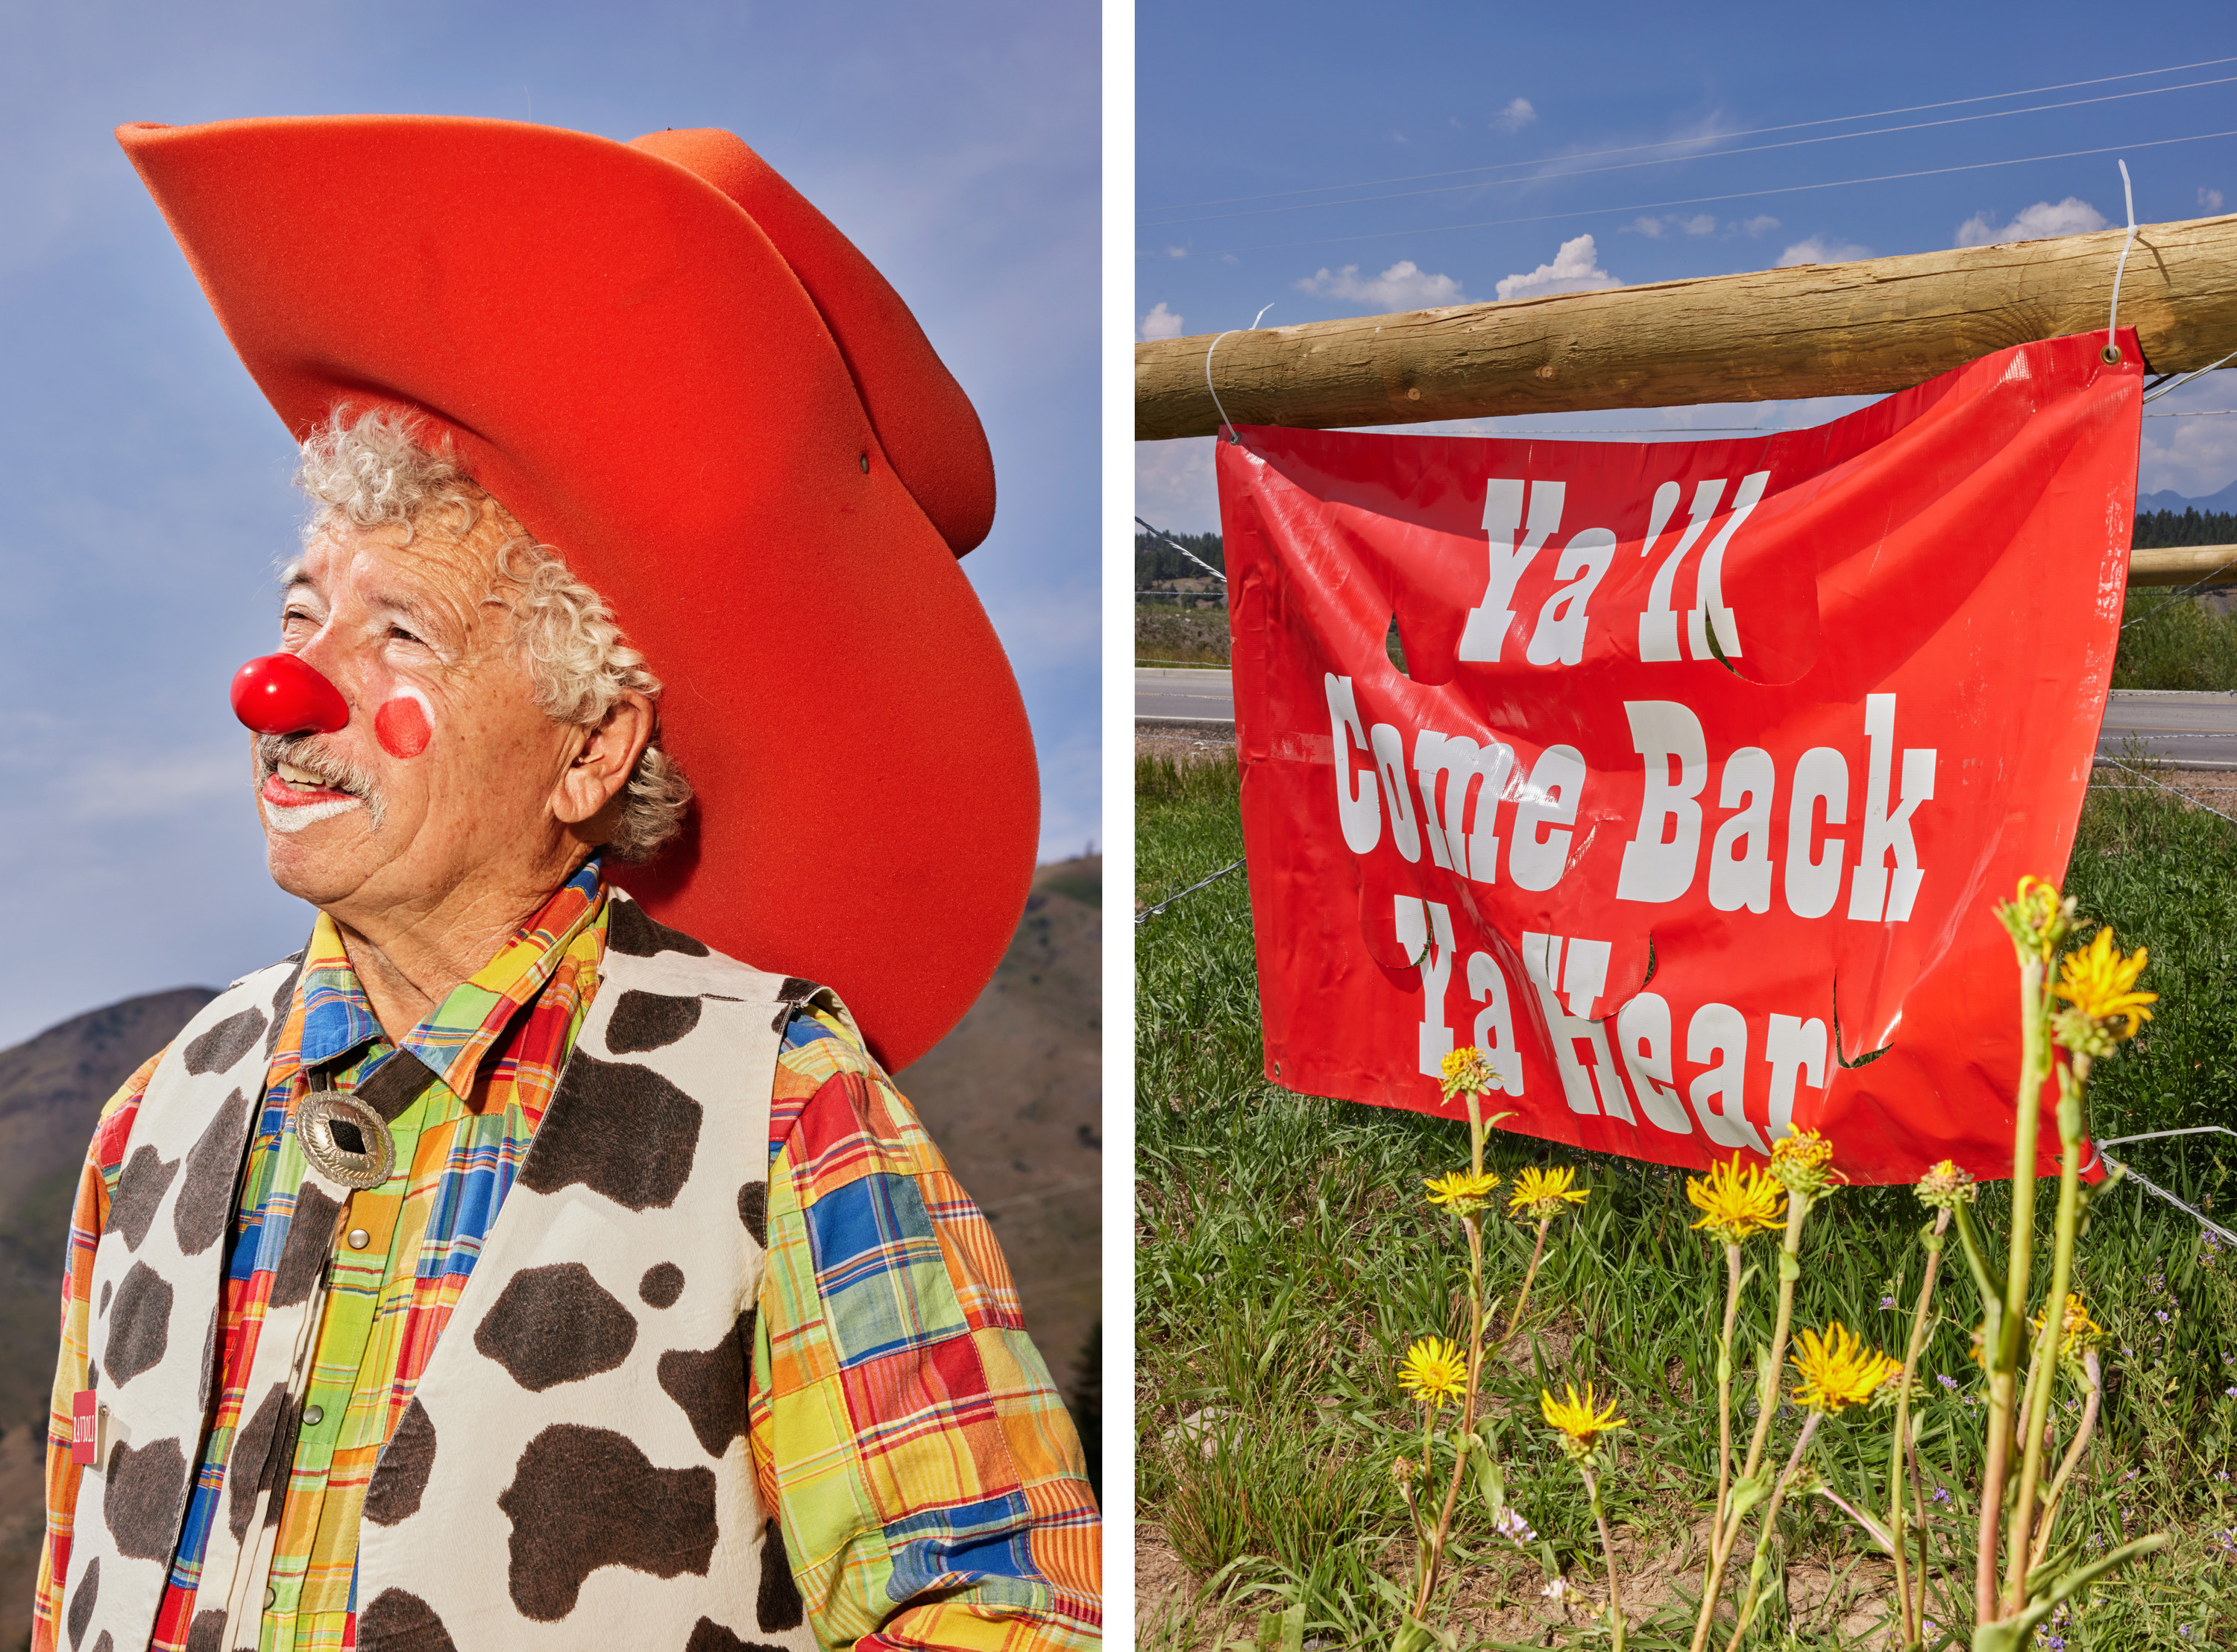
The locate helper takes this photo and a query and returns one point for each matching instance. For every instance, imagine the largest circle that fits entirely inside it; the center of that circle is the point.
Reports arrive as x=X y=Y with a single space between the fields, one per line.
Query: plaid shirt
x=902 y=1426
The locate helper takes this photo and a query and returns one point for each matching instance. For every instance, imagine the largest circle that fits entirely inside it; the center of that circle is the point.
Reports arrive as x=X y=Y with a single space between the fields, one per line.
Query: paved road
x=1167 y=692
x=2189 y=731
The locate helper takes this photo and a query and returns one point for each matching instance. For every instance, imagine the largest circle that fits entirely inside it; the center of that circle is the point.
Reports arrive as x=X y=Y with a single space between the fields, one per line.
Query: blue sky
x=1262 y=131
x=143 y=494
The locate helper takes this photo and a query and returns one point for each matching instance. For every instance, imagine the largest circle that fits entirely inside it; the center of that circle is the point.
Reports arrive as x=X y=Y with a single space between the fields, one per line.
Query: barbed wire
x=1160 y=533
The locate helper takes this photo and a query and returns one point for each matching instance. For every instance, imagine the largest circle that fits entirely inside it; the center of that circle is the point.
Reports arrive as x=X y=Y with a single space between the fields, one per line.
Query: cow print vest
x=572 y=1469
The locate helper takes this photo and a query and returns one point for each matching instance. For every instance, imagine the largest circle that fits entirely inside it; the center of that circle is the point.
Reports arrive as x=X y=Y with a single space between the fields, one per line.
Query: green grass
x=1285 y=1259
x=2169 y=639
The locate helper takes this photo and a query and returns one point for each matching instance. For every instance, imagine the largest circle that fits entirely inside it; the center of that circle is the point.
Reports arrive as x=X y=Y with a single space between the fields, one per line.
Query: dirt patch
x=2215 y=788
x=1514 y=1602
x=1176 y=746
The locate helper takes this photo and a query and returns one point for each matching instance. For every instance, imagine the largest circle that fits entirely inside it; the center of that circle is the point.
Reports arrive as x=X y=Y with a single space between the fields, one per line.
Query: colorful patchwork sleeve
x=97 y=1185
x=927 y=1478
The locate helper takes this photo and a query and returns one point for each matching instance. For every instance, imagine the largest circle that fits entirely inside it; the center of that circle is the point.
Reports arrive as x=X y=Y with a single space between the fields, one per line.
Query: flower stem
x=1468 y=1404
x=1757 y=1564
x=1933 y=1241
x=2003 y=1349
x=1725 y=1387
x=2095 y=1374
x=2073 y=1082
x=1723 y=1541
x=1515 y=1323
x=1607 y=1554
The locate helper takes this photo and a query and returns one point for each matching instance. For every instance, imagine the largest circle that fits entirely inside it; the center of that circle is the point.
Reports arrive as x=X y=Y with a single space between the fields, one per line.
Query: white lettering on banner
x=1358 y=808
x=1642 y=1033
x=1391 y=763
x=1739 y=860
x=1658 y=626
x=1872 y=896
x=1559 y=637
x=1494 y=1022
x=1580 y=968
x=1434 y=957
x=1795 y=1049
x=1709 y=587
x=1549 y=799
x=1658 y=862
x=1720 y=1030
x=1445 y=802
x=1812 y=886
x=1488 y=622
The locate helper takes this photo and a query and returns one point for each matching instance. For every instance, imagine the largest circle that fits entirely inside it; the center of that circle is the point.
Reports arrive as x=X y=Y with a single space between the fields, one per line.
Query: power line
x=1738 y=194
x=1715 y=137
x=1673 y=160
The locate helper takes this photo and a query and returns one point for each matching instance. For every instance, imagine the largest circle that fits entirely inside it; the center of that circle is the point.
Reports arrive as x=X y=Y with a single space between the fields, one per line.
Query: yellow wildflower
x=1838 y=1370
x=1466 y=1072
x=1802 y=1161
x=1433 y=1370
x=1580 y=1421
x=1737 y=1200
x=1946 y=1185
x=1461 y=1192
x=1544 y=1194
x=2037 y=918
x=2099 y=984
x=2077 y=1331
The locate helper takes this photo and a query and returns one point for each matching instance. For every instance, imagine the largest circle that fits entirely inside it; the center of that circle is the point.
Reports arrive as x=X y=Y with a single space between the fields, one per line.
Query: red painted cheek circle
x=401 y=728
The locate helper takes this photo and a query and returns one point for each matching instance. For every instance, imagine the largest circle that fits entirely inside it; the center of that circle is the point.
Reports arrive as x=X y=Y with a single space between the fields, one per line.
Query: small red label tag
x=85 y=1428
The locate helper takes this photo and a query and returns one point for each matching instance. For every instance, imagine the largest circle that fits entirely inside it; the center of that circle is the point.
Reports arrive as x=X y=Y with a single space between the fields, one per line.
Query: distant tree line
x=2158 y=529
x=1154 y=559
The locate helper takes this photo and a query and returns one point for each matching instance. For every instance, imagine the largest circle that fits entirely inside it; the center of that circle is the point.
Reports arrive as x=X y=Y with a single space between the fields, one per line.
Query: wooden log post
x=2190 y=565
x=1856 y=329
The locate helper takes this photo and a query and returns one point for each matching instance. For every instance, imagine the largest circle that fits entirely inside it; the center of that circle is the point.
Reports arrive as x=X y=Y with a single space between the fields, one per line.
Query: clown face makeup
x=414 y=630
x=405 y=725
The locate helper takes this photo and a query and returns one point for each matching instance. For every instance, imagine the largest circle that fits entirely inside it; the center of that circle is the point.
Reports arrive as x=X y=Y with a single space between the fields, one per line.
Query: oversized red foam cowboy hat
x=680 y=375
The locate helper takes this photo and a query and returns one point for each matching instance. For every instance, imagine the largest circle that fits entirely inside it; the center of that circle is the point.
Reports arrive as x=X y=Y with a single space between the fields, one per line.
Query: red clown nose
x=279 y=694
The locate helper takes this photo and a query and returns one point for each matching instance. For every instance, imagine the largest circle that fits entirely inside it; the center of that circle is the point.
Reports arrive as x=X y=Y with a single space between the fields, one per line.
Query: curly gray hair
x=369 y=469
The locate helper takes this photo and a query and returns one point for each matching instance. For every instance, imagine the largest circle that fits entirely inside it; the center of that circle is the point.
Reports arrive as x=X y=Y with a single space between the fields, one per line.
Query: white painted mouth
x=296 y=818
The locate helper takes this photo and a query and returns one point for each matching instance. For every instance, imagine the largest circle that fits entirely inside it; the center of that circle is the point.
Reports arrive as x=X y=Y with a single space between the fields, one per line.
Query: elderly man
x=509 y=1268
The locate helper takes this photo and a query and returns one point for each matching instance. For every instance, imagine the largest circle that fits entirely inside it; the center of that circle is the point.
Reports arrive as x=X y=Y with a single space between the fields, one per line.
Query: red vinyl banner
x=1707 y=766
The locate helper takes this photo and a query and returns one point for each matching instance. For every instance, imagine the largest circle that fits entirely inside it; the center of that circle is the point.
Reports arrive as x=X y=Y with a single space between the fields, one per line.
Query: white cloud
x=1173 y=486
x=1516 y=116
x=2192 y=457
x=1671 y=224
x=1575 y=269
x=1761 y=224
x=2042 y=221
x=1822 y=249
x=1404 y=285
x=1176 y=251
x=1161 y=323
x=2209 y=200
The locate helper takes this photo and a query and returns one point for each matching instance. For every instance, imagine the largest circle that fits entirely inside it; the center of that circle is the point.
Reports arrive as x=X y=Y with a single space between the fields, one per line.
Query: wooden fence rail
x=1862 y=328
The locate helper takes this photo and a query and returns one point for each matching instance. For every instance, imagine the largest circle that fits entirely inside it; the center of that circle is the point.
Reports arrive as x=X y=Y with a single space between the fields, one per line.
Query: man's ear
x=604 y=759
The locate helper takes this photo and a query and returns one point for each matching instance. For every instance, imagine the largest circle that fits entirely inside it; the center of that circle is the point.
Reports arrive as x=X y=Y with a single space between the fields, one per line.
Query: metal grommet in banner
x=345 y=1140
x=2110 y=355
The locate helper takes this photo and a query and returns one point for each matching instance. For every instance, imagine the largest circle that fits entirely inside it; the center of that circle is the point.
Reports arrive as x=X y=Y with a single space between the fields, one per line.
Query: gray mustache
x=309 y=751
